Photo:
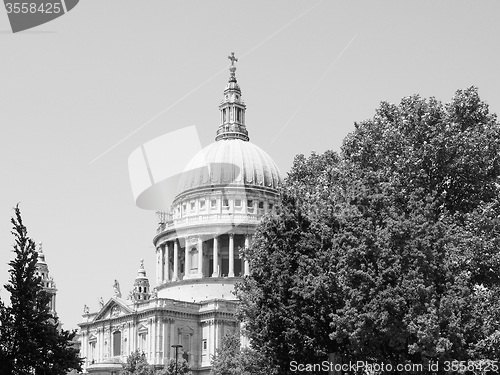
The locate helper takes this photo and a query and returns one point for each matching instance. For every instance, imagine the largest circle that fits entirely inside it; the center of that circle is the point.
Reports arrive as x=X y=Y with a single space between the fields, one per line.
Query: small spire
x=232 y=68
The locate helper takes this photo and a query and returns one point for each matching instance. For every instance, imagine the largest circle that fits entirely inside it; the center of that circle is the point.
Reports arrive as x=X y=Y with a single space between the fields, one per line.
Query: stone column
x=103 y=347
x=132 y=338
x=247 y=264
x=215 y=263
x=175 y=276
x=173 y=339
x=158 y=249
x=220 y=333
x=215 y=337
x=99 y=346
x=166 y=265
x=84 y=348
x=162 y=264
x=109 y=352
x=187 y=263
x=166 y=338
x=231 y=255
x=200 y=257
x=151 y=337
x=159 y=345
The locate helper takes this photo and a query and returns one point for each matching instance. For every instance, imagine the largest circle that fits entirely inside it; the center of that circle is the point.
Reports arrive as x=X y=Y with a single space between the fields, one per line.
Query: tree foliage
x=231 y=359
x=390 y=251
x=282 y=304
x=31 y=338
x=169 y=369
x=137 y=364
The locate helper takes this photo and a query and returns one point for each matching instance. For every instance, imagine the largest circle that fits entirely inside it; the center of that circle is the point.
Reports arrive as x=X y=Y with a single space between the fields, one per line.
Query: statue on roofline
x=116 y=287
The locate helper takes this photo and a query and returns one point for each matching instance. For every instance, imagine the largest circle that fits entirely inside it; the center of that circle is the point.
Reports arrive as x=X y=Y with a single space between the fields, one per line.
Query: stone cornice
x=204 y=280
x=226 y=191
x=208 y=230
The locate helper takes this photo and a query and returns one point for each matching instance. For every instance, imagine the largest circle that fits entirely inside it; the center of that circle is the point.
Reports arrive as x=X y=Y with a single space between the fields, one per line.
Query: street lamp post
x=176 y=346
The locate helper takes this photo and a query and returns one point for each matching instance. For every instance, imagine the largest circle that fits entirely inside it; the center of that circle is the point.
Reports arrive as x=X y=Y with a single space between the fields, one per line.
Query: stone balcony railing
x=166 y=221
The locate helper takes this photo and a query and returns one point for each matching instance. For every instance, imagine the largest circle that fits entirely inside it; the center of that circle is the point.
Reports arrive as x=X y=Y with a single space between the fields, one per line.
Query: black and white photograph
x=249 y=187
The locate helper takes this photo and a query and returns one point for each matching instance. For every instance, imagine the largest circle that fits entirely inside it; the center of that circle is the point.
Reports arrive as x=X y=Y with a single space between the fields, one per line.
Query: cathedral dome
x=230 y=162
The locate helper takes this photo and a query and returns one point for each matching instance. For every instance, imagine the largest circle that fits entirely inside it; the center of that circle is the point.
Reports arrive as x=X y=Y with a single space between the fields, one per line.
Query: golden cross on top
x=232 y=58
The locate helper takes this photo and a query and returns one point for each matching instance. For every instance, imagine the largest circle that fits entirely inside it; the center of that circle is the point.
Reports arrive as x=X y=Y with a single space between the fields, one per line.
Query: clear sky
x=73 y=88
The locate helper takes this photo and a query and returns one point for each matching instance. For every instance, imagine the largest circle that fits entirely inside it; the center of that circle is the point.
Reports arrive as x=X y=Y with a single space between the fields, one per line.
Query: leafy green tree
x=31 y=339
x=287 y=301
x=388 y=253
x=231 y=359
x=137 y=364
x=426 y=170
x=169 y=369
x=449 y=152
x=6 y=355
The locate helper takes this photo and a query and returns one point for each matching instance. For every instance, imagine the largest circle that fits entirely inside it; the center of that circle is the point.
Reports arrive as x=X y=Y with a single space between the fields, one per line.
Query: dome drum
x=202 y=256
x=199 y=289
x=216 y=213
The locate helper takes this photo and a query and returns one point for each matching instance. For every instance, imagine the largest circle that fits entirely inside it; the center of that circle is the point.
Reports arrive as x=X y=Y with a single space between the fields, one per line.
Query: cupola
x=232 y=109
x=141 y=285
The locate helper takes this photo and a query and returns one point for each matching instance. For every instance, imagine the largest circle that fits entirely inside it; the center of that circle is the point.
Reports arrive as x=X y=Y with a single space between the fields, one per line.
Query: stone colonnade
x=197 y=253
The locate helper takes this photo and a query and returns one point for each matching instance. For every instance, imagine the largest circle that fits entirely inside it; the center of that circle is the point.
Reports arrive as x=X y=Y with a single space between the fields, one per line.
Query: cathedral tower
x=47 y=281
x=141 y=285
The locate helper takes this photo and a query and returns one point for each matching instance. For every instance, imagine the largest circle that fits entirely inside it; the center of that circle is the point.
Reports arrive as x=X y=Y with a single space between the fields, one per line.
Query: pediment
x=186 y=330
x=114 y=308
x=142 y=329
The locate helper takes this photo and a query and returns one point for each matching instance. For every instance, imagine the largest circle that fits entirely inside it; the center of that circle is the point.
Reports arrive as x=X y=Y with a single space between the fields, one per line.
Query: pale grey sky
x=75 y=87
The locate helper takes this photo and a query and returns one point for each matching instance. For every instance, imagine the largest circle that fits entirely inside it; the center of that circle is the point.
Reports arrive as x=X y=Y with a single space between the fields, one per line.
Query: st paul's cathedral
x=225 y=190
